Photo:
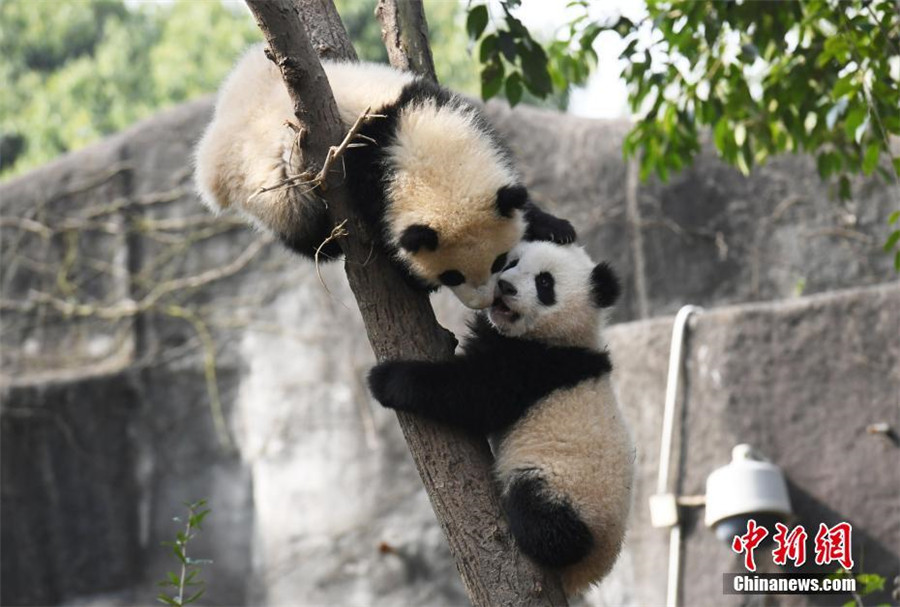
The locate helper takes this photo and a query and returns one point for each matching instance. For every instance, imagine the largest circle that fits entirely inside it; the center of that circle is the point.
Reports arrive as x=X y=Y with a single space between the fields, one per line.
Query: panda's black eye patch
x=512 y=264
x=452 y=278
x=544 y=283
x=498 y=263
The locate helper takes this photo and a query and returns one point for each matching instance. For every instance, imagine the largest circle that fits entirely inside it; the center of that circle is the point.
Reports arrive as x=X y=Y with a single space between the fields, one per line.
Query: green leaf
x=491 y=80
x=164 y=598
x=515 y=26
x=872 y=582
x=870 y=161
x=855 y=118
x=488 y=48
x=893 y=217
x=844 y=86
x=891 y=242
x=507 y=45
x=623 y=26
x=897 y=261
x=477 y=21
x=534 y=70
x=514 y=88
x=194 y=597
x=721 y=134
x=844 y=188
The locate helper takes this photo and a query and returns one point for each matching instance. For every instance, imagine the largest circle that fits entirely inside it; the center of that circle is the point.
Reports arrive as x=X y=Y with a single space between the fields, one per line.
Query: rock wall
x=153 y=354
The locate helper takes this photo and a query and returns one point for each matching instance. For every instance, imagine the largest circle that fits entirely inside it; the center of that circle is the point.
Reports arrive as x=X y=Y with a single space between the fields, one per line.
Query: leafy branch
x=190 y=567
x=766 y=78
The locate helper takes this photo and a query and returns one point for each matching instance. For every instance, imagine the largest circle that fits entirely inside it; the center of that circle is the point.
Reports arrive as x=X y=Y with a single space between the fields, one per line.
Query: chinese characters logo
x=832 y=544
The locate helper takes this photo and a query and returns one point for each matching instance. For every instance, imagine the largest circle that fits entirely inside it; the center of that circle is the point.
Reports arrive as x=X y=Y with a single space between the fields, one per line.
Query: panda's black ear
x=511 y=197
x=418 y=236
x=604 y=285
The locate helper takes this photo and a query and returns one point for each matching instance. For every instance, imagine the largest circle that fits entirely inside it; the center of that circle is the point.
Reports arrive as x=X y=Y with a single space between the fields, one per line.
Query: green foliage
x=517 y=66
x=866 y=584
x=767 y=76
x=893 y=241
x=75 y=71
x=187 y=582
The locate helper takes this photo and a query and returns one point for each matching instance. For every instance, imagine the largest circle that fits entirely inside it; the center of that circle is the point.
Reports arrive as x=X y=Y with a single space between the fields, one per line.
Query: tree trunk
x=455 y=467
x=405 y=35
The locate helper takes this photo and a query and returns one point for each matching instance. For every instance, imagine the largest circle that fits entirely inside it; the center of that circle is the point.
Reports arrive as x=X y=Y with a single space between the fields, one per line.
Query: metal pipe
x=665 y=447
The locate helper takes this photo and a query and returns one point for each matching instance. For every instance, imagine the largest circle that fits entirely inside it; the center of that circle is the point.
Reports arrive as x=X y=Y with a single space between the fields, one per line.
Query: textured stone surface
x=799 y=381
x=314 y=497
x=69 y=491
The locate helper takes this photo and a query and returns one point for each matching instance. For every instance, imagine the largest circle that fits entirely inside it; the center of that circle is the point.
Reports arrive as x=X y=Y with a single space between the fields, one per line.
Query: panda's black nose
x=506 y=288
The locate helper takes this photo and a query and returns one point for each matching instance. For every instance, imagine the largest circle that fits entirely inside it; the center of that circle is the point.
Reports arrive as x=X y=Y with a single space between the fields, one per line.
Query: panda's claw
x=546 y=227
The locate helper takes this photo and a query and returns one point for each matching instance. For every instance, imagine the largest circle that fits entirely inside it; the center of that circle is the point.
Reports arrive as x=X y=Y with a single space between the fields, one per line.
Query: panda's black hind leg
x=546 y=526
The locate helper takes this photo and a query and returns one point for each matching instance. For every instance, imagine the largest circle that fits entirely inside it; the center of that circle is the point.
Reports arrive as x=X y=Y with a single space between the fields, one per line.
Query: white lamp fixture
x=749 y=487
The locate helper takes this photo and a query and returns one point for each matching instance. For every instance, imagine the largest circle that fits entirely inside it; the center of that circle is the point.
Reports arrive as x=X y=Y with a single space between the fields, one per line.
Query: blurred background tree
x=76 y=71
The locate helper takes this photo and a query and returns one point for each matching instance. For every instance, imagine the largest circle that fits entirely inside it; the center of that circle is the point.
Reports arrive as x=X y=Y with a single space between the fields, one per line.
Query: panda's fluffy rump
x=246 y=147
x=566 y=440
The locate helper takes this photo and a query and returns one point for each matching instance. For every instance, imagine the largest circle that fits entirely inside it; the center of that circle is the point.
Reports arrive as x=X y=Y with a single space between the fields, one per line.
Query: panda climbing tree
x=398 y=319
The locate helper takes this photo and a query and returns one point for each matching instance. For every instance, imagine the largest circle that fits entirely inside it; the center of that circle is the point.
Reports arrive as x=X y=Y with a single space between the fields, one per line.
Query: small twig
x=334 y=152
x=339 y=231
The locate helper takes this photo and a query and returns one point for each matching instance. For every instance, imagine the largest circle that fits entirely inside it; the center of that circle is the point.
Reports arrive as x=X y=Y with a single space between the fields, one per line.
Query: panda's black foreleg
x=460 y=392
x=547 y=227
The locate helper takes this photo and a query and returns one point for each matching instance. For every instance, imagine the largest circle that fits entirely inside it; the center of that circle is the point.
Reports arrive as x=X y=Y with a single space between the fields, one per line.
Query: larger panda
x=535 y=375
x=434 y=179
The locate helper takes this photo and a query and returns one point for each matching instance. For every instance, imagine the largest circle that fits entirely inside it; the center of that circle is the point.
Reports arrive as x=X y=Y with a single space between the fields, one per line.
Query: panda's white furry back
x=536 y=375
x=433 y=179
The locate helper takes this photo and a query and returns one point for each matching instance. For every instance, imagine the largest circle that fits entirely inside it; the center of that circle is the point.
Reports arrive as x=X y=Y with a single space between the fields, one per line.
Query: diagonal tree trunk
x=455 y=467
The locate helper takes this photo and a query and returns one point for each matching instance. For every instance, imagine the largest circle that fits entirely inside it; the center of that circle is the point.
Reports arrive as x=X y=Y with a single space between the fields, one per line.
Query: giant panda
x=535 y=377
x=433 y=178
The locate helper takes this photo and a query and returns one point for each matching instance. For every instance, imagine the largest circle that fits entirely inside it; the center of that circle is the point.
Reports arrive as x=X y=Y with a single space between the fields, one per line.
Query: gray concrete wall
x=108 y=413
x=800 y=381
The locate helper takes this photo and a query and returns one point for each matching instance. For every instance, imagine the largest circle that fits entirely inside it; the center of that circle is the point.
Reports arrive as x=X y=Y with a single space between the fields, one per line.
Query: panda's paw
x=551 y=229
x=390 y=384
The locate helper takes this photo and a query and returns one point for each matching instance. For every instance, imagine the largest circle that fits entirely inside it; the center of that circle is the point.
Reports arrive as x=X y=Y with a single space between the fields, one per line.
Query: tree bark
x=455 y=467
x=405 y=35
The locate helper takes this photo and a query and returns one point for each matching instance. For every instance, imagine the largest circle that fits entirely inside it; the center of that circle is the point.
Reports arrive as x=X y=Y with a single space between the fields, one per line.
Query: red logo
x=832 y=544
x=790 y=546
x=748 y=542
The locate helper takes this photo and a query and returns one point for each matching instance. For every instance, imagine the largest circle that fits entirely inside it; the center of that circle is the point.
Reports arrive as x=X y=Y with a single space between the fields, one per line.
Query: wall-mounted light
x=749 y=487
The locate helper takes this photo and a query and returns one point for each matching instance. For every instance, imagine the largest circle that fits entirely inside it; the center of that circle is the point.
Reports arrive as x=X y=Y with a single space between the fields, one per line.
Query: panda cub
x=433 y=178
x=536 y=376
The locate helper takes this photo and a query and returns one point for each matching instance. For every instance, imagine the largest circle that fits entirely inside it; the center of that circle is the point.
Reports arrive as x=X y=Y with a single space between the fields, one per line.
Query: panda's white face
x=552 y=293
